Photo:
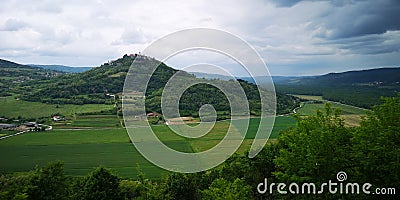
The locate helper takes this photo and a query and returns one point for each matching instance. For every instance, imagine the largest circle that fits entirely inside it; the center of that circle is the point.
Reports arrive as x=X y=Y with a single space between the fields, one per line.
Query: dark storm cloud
x=388 y=42
x=285 y=3
x=360 y=18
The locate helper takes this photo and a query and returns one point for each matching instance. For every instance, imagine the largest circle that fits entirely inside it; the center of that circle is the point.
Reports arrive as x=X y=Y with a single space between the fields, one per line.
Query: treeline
x=360 y=96
x=92 y=87
x=200 y=94
x=315 y=151
x=12 y=75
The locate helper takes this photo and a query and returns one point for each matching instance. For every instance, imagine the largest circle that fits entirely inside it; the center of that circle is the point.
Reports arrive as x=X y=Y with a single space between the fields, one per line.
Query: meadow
x=90 y=121
x=12 y=108
x=310 y=109
x=351 y=114
x=83 y=150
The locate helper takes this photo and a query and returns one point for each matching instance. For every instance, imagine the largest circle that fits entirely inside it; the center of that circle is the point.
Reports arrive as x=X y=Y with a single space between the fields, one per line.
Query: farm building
x=7 y=126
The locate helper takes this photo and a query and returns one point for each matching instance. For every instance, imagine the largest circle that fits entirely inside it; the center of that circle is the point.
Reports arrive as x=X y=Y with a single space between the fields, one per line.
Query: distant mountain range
x=360 y=77
x=361 y=88
x=63 y=68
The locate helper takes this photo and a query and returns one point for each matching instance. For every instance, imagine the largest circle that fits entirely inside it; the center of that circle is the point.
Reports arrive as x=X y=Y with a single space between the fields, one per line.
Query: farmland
x=13 y=108
x=84 y=142
x=90 y=121
x=83 y=150
x=350 y=114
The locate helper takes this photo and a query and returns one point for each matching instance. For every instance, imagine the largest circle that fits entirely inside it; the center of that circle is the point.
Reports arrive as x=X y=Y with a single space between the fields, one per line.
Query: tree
x=180 y=186
x=377 y=145
x=223 y=189
x=49 y=182
x=101 y=184
x=316 y=150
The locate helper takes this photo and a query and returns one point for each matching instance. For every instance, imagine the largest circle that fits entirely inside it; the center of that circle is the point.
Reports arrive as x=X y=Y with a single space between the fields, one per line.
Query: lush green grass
x=308 y=97
x=10 y=107
x=83 y=150
x=79 y=159
x=95 y=121
x=56 y=137
x=311 y=108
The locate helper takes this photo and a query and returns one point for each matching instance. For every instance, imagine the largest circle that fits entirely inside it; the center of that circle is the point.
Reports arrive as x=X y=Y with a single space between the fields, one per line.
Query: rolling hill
x=93 y=85
x=13 y=74
x=362 y=88
x=63 y=68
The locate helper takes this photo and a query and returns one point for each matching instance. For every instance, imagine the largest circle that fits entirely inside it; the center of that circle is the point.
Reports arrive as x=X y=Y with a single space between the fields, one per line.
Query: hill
x=360 y=88
x=63 y=68
x=13 y=74
x=93 y=86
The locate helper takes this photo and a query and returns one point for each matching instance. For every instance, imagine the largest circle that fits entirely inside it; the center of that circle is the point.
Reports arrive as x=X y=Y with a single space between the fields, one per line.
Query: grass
x=92 y=121
x=311 y=108
x=83 y=150
x=80 y=150
x=308 y=97
x=350 y=114
x=11 y=107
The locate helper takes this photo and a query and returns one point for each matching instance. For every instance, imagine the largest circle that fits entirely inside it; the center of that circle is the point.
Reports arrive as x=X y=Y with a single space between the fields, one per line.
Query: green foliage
x=223 y=189
x=377 y=145
x=181 y=186
x=49 y=182
x=200 y=94
x=101 y=184
x=314 y=151
x=91 y=87
x=317 y=148
x=15 y=186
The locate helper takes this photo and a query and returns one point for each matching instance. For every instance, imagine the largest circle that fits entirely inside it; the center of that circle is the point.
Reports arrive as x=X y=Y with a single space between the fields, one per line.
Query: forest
x=314 y=151
x=362 y=88
x=92 y=87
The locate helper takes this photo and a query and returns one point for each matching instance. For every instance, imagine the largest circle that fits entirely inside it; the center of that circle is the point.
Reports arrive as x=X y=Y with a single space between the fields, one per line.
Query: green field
x=83 y=150
x=311 y=108
x=11 y=107
x=90 y=121
x=350 y=114
x=308 y=97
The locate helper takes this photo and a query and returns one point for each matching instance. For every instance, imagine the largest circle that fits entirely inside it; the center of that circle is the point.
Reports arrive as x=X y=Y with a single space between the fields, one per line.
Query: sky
x=292 y=37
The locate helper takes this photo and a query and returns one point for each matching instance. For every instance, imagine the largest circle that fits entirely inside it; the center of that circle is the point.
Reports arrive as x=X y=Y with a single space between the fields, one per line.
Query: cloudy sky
x=292 y=37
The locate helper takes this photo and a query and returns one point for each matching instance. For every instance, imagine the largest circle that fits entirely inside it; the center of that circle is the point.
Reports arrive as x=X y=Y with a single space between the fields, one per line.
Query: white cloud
x=289 y=36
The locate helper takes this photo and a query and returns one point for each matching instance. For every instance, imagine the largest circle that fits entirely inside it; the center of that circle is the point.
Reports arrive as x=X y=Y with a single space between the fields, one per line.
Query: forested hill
x=63 y=68
x=363 y=77
x=12 y=74
x=93 y=85
x=360 y=88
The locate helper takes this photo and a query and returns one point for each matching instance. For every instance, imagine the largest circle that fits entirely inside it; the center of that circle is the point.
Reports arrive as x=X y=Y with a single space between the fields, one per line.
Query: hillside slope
x=63 y=68
x=13 y=74
x=93 y=86
x=360 y=88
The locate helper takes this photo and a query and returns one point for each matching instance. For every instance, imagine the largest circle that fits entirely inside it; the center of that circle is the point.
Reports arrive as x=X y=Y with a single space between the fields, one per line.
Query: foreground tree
x=223 y=189
x=49 y=182
x=377 y=145
x=317 y=149
x=101 y=184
